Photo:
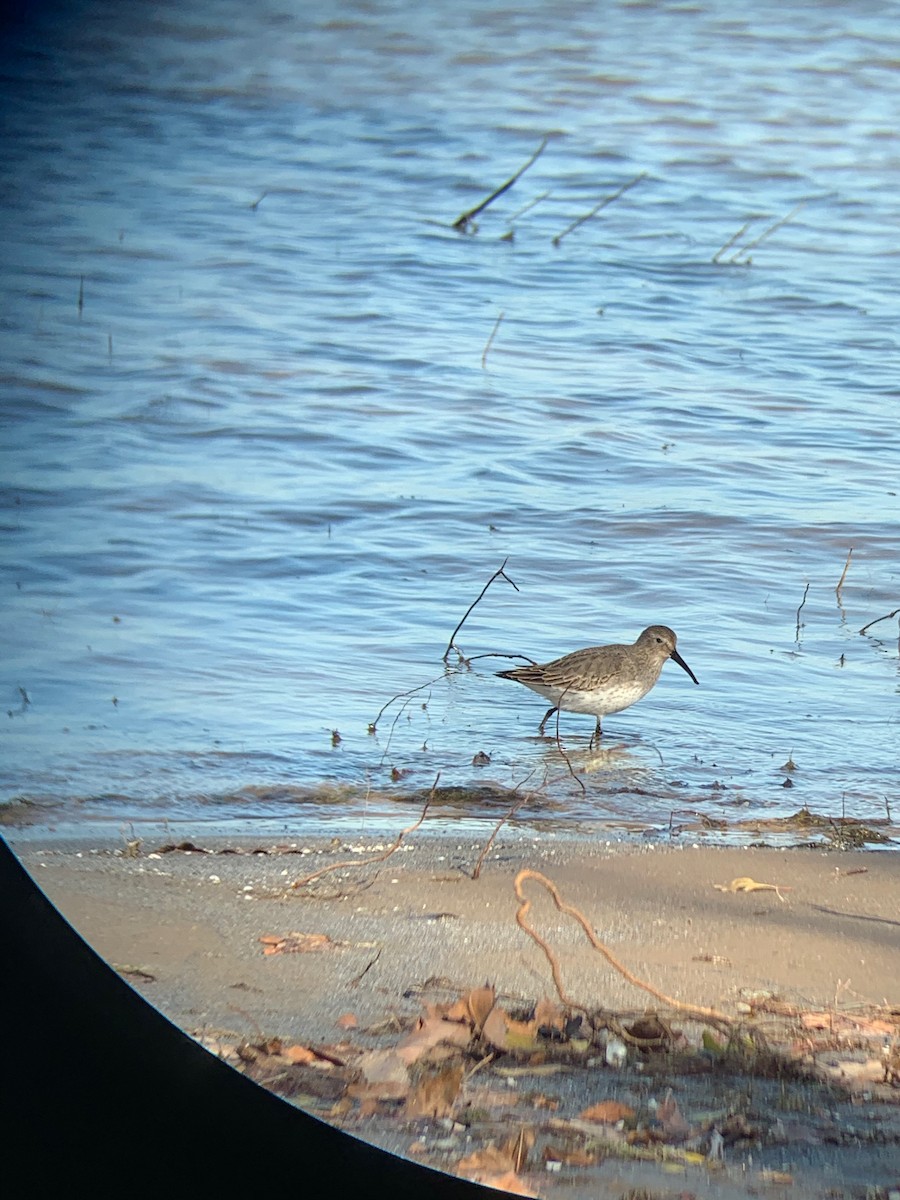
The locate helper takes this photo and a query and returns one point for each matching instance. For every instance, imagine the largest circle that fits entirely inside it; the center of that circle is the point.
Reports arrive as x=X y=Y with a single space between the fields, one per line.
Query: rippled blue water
x=257 y=463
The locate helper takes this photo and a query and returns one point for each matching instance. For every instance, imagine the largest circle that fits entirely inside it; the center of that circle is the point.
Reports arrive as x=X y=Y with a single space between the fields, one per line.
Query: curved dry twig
x=710 y=1015
x=500 y=573
x=367 y=862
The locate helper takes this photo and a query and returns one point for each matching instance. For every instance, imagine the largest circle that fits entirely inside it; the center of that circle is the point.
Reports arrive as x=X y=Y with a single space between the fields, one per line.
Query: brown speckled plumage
x=602 y=679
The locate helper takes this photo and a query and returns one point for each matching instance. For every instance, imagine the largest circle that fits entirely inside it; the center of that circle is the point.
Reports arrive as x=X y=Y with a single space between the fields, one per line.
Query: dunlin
x=601 y=679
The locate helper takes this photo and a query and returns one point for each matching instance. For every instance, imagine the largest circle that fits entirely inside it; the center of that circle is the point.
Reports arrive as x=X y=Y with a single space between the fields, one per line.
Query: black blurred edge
x=99 y=1087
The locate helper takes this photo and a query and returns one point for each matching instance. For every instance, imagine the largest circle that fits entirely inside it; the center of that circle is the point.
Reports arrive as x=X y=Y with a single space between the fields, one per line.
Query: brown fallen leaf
x=608 y=1112
x=668 y=1114
x=504 y=1033
x=347 y=1021
x=300 y=1054
x=298 y=943
x=509 y=1182
x=549 y=1015
x=479 y=1003
x=383 y=1066
x=489 y=1159
x=746 y=884
x=429 y=1032
x=575 y=1156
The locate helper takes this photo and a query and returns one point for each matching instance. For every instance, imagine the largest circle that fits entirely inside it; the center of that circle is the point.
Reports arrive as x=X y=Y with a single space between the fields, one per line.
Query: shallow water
x=257 y=463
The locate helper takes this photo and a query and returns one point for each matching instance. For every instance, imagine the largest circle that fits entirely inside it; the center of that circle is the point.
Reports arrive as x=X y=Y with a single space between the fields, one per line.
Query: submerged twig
x=598 y=207
x=840 y=583
x=566 y=759
x=736 y=238
x=462 y=223
x=710 y=1015
x=490 y=340
x=799 y=610
x=498 y=574
x=736 y=258
x=531 y=204
x=367 y=862
x=373 y=725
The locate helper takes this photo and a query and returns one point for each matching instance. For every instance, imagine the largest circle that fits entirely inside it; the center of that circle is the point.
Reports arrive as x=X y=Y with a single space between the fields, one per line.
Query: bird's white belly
x=597 y=702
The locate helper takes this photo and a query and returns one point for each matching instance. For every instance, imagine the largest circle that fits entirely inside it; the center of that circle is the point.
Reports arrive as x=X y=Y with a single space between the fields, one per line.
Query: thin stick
x=737 y=237
x=367 y=862
x=491 y=339
x=598 y=207
x=530 y=204
x=499 y=573
x=566 y=758
x=802 y=602
x=837 y=590
x=487 y=845
x=373 y=725
x=886 y=617
x=768 y=232
x=710 y=1015
x=462 y=223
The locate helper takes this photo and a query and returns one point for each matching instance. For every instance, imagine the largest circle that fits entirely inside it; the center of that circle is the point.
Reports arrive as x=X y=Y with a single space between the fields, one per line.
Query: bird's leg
x=595 y=739
x=547 y=715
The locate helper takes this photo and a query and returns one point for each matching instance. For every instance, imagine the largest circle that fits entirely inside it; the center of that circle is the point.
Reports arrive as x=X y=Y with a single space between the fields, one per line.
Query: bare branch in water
x=500 y=573
x=741 y=256
x=531 y=204
x=598 y=207
x=462 y=223
x=566 y=758
x=736 y=258
x=373 y=725
x=886 y=617
x=799 y=610
x=491 y=340
x=736 y=238
x=840 y=583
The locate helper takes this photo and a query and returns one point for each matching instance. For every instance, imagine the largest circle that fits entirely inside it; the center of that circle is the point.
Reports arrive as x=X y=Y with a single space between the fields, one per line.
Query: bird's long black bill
x=677 y=657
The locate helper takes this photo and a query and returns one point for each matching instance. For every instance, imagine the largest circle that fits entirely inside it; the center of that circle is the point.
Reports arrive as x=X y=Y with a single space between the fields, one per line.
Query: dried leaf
x=608 y=1112
x=507 y=1182
x=548 y=1015
x=298 y=943
x=300 y=1054
x=428 y=1033
x=479 y=1003
x=489 y=1159
x=504 y=1033
x=670 y=1119
x=746 y=884
x=574 y=1156
x=384 y=1066
x=347 y=1021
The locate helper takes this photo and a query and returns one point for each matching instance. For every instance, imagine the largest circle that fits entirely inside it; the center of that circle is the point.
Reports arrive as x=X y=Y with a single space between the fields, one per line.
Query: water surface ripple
x=255 y=466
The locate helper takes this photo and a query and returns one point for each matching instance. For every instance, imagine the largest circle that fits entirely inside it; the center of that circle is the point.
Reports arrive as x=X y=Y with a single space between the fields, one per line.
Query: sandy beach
x=387 y=939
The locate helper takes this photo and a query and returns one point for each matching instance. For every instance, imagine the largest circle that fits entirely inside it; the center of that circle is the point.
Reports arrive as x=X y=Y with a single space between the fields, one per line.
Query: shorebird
x=601 y=679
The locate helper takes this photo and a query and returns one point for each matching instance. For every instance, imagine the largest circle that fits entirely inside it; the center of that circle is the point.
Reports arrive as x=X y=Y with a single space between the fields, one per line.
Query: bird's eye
x=659 y=641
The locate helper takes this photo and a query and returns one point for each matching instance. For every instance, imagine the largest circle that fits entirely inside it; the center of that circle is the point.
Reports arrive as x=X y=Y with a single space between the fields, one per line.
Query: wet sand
x=185 y=926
